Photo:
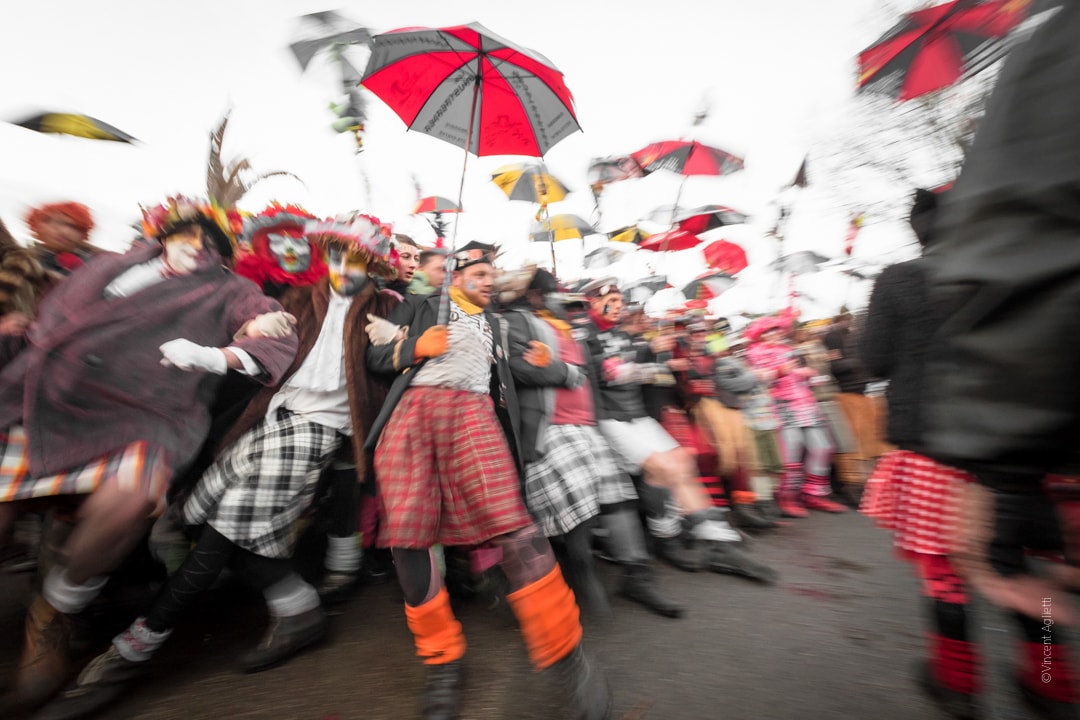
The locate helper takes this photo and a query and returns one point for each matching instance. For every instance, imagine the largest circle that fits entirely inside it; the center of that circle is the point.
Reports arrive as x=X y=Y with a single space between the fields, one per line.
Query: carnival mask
x=348 y=271
x=293 y=254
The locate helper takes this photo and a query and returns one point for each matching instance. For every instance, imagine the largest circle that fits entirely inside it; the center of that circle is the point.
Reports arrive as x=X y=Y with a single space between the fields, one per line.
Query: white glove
x=381 y=331
x=186 y=355
x=272 y=325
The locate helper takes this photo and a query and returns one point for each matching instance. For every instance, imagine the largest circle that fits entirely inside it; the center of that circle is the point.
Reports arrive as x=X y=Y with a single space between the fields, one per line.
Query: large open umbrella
x=629 y=234
x=674 y=239
x=474 y=89
x=709 y=217
x=75 y=124
x=435 y=204
x=933 y=48
x=530 y=182
x=565 y=226
x=725 y=256
x=686 y=158
x=708 y=285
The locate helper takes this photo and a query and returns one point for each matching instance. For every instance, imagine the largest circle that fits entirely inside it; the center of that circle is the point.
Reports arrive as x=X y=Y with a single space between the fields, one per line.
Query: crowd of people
x=201 y=396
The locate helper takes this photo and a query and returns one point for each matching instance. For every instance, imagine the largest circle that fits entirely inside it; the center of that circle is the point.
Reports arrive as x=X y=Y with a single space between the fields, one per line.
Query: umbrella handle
x=443 y=316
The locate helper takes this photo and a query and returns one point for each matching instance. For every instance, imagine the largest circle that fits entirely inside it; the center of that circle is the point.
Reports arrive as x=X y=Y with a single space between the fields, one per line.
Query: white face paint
x=348 y=271
x=293 y=254
x=183 y=249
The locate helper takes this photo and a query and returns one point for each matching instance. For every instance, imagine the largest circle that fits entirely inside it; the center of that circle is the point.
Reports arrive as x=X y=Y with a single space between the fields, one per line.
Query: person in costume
x=688 y=531
x=110 y=398
x=267 y=473
x=805 y=441
x=571 y=475
x=62 y=236
x=446 y=460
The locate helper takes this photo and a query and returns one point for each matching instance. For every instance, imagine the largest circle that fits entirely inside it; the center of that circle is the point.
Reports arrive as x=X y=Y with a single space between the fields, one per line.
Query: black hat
x=474 y=253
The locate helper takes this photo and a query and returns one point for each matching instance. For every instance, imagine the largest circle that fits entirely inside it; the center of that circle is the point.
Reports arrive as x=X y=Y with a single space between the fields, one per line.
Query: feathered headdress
x=259 y=265
x=356 y=232
x=179 y=210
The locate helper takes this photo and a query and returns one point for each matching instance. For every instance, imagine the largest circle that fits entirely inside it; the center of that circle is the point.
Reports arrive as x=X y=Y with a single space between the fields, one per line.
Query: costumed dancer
x=571 y=475
x=804 y=437
x=679 y=511
x=921 y=500
x=267 y=473
x=111 y=397
x=447 y=473
x=62 y=236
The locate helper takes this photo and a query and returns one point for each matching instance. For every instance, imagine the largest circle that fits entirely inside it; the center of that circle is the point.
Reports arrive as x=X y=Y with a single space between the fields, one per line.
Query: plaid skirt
x=254 y=493
x=575 y=477
x=917 y=499
x=138 y=468
x=445 y=473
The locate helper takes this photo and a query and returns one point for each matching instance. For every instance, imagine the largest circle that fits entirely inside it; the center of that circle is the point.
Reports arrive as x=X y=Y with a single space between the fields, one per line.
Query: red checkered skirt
x=139 y=468
x=445 y=473
x=916 y=498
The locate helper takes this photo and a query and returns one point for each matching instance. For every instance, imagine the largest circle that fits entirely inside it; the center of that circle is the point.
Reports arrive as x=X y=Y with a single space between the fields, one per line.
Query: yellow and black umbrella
x=629 y=234
x=530 y=182
x=75 y=124
x=560 y=227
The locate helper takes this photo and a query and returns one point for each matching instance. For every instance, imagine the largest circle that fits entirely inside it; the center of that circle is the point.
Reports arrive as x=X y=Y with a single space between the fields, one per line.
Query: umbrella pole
x=551 y=239
x=444 y=301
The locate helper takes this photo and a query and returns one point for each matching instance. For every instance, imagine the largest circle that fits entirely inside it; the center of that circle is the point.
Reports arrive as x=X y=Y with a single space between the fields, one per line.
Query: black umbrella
x=75 y=124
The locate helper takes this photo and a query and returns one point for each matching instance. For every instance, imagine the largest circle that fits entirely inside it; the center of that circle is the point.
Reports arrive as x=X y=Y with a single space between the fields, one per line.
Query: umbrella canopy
x=435 y=204
x=726 y=257
x=671 y=240
x=445 y=81
x=75 y=124
x=530 y=182
x=560 y=227
x=709 y=217
x=602 y=257
x=639 y=291
x=933 y=48
x=629 y=234
x=801 y=263
x=687 y=157
x=708 y=286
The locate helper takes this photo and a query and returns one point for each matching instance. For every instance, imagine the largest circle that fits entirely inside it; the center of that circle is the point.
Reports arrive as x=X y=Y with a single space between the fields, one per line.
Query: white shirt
x=317 y=390
x=466 y=364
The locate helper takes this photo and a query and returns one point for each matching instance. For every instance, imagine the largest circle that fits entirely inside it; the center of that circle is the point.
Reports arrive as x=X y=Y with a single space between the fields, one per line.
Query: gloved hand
x=186 y=355
x=538 y=354
x=433 y=342
x=273 y=325
x=382 y=331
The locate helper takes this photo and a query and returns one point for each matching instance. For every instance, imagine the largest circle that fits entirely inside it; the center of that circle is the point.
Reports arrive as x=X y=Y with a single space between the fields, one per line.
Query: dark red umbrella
x=933 y=48
x=709 y=217
x=472 y=88
x=675 y=239
x=725 y=256
x=687 y=157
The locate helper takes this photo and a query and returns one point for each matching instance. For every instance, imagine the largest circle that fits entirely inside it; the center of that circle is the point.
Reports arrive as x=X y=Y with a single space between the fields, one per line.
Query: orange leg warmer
x=549 y=618
x=438 y=635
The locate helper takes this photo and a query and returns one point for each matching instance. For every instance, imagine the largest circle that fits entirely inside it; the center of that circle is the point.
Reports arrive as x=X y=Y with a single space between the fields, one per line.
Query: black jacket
x=617 y=401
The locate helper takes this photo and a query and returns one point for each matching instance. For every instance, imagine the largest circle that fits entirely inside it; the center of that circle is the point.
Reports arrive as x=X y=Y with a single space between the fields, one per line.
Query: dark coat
x=91 y=379
x=535 y=386
x=1002 y=389
x=367 y=391
x=399 y=359
x=894 y=346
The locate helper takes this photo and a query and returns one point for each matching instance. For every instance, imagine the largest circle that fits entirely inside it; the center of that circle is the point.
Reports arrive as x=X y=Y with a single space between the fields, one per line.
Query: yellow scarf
x=557 y=323
x=458 y=296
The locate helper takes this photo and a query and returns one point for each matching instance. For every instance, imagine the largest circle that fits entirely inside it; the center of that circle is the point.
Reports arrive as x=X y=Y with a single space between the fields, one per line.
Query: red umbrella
x=934 y=47
x=675 y=239
x=687 y=157
x=726 y=257
x=435 y=204
x=472 y=88
x=709 y=217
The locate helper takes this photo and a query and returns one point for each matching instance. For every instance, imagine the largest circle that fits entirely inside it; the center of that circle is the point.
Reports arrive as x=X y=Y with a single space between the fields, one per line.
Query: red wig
x=76 y=213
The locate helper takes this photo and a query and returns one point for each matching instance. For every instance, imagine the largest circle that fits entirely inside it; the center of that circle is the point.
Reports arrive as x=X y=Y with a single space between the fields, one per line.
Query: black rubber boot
x=442 y=691
x=639 y=585
x=586 y=687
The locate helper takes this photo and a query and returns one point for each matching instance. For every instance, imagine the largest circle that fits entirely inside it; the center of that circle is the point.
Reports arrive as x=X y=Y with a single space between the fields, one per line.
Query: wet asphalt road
x=836 y=638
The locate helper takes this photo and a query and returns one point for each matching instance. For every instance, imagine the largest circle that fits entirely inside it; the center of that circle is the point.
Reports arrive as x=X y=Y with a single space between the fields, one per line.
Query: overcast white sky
x=778 y=73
